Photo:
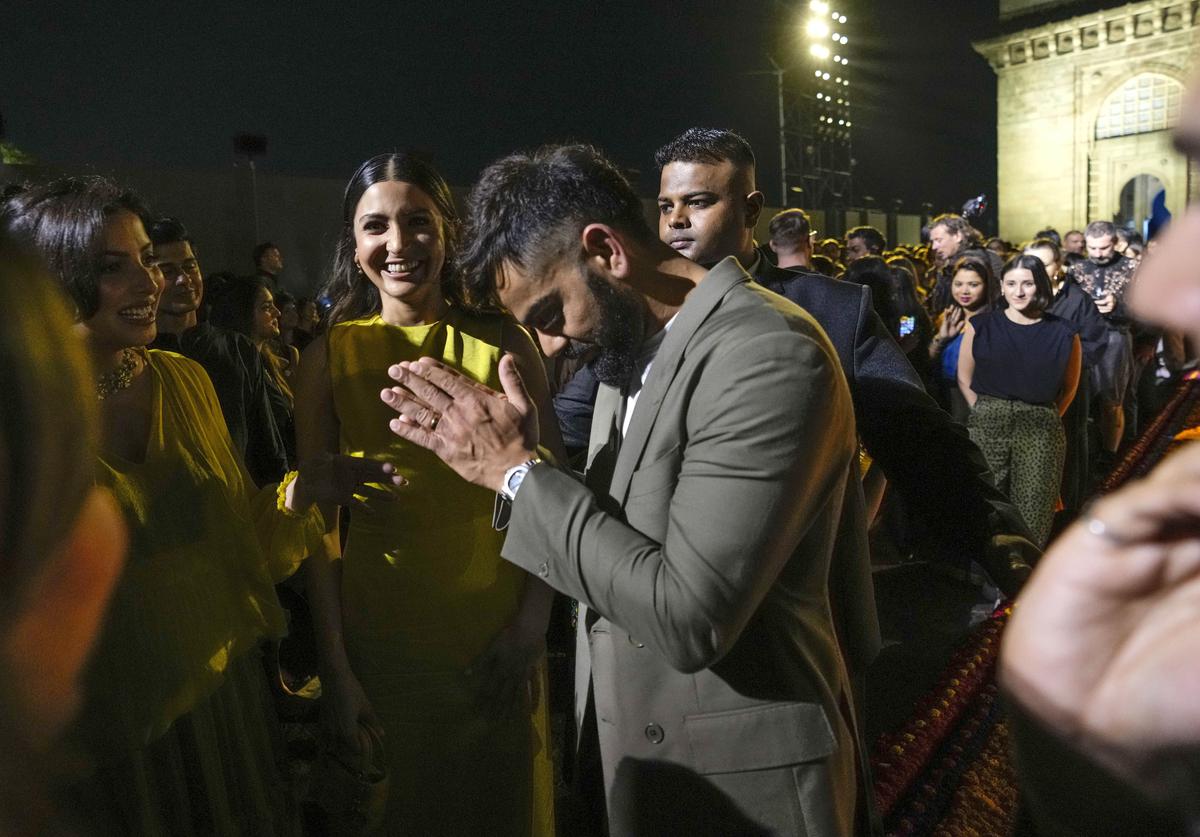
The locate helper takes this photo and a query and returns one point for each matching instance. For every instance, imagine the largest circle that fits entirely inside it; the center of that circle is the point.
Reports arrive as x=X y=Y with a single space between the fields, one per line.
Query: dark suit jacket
x=953 y=506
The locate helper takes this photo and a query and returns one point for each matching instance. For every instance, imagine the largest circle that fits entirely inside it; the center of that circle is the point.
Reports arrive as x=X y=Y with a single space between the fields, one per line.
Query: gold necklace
x=119 y=378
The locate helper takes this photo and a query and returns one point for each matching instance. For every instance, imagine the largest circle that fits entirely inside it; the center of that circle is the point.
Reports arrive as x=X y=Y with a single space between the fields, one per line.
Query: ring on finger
x=433 y=422
x=1098 y=528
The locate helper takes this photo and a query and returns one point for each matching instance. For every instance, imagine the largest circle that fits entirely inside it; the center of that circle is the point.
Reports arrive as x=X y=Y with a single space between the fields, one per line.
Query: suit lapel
x=696 y=308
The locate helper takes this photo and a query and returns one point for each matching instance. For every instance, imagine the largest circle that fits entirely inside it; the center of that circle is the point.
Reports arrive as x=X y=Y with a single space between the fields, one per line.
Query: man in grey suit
x=720 y=473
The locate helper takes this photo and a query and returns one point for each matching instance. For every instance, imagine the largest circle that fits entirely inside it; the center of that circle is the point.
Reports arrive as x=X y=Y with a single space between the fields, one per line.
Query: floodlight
x=819 y=6
x=820 y=51
x=817 y=28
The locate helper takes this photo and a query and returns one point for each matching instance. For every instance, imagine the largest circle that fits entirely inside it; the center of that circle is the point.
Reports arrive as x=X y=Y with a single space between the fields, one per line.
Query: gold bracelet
x=281 y=495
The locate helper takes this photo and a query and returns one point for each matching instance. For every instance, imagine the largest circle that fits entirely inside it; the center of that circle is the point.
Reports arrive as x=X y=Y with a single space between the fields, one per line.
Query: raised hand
x=952 y=322
x=477 y=431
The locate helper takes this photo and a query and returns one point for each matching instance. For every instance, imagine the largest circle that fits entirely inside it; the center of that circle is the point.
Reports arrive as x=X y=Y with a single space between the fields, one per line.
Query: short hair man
x=268 y=263
x=791 y=238
x=231 y=360
x=700 y=546
x=864 y=241
x=1073 y=242
x=914 y=440
x=1106 y=277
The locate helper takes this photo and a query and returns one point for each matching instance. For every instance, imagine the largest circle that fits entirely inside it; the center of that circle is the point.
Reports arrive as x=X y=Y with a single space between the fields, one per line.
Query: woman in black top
x=1018 y=368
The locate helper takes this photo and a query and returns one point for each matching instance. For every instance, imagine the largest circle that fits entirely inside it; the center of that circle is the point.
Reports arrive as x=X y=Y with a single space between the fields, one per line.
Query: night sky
x=168 y=85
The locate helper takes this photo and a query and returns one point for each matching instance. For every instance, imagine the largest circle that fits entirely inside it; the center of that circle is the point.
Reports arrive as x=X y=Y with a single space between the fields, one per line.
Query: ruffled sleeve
x=285 y=539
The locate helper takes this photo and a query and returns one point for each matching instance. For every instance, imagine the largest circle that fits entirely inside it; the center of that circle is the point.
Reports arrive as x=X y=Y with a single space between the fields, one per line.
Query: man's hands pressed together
x=477 y=431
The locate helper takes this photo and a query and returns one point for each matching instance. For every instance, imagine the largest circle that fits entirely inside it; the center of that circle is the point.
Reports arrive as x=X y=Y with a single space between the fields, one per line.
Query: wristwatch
x=513 y=478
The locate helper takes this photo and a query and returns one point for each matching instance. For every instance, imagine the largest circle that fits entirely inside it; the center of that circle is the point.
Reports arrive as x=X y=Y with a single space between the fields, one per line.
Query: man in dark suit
x=708 y=209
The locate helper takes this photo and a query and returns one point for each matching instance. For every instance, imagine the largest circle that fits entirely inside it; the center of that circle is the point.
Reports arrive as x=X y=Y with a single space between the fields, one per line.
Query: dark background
x=85 y=84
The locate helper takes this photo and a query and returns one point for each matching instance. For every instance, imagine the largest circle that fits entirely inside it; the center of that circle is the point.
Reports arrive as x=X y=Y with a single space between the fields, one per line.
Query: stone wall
x=1052 y=81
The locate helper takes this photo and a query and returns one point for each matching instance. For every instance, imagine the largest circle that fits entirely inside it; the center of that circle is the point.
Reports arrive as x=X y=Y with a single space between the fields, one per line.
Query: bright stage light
x=819 y=6
x=817 y=28
x=825 y=76
x=845 y=60
x=841 y=19
x=843 y=40
x=819 y=51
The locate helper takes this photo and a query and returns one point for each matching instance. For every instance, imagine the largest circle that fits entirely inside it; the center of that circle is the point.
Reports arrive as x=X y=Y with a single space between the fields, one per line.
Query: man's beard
x=620 y=332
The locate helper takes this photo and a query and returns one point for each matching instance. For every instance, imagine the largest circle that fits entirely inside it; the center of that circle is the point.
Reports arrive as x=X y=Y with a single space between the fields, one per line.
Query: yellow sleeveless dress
x=424 y=592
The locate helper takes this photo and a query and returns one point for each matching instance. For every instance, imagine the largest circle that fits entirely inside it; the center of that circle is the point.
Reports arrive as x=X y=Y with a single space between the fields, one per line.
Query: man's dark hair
x=1043 y=293
x=791 y=229
x=1130 y=237
x=824 y=265
x=63 y=222
x=1051 y=234
x=706 y=145
x=528 y=210
x=872 y=237
x=1096 y=229
x=260 y=249
x=167 y=231
x=958 y=224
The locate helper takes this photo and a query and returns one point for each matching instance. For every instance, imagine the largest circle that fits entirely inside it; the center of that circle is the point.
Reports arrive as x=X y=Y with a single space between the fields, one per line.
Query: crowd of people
x=405 y=453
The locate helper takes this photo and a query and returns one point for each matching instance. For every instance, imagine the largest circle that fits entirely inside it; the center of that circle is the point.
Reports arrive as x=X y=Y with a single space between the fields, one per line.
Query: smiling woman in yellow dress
x=423 y=631
x=176 y=718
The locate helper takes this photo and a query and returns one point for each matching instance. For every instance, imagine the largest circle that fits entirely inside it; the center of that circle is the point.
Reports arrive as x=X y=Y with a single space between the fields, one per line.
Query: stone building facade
x=1085 y=107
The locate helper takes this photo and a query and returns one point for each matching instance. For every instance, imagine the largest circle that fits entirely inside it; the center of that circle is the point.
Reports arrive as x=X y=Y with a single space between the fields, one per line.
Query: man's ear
x=754 y=206
x=56 y=627
x=774 y=250
x=605 y=249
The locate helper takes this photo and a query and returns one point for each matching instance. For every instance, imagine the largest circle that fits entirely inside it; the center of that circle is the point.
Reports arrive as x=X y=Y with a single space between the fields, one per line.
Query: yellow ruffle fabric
x=205 y=550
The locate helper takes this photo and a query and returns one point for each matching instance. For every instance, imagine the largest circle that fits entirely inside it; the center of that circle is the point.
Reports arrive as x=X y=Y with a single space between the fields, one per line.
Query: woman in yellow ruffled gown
x=424 y=631
x=176 y=720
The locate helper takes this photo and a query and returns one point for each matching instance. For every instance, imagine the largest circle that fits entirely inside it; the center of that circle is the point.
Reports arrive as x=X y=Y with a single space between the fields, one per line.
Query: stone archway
x=1137 y=196
x=1131 y=140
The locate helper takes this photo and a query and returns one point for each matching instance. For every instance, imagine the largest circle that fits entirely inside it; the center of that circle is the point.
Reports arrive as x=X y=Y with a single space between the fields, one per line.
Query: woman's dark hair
x=980 y=267
x=350 y=292
x=1043 y=293
x=283 y=298
x=1047 y=244
x=232 y=304
x=63 y=223
x=824 y=265
x=873 y=272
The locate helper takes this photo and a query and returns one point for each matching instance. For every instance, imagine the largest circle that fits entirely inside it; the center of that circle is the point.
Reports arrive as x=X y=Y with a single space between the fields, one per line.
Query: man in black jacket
x=231 y=360
x=708 y=210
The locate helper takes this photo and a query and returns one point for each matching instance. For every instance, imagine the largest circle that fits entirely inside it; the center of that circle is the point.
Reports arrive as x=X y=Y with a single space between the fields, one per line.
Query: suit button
x=543 y=569
x=654 y=733
x=636 y=644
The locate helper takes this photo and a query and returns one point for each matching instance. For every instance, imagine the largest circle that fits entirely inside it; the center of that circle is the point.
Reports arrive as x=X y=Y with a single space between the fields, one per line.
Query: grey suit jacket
x=702 y=546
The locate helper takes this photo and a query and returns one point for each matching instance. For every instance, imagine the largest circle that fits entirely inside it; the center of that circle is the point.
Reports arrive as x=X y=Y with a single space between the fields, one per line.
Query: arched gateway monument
x=1087 y=95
